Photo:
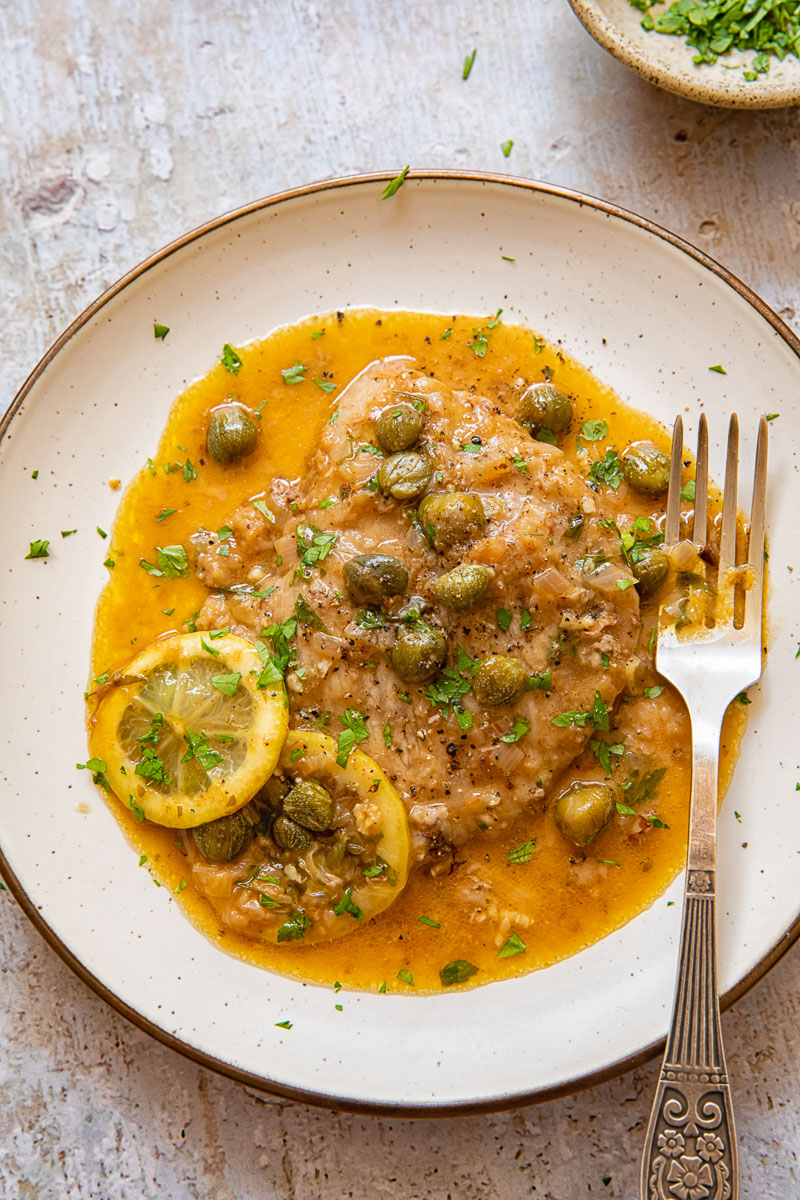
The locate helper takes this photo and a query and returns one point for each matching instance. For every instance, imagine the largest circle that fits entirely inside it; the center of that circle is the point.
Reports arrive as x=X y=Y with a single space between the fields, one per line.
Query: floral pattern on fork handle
x=691 y=1138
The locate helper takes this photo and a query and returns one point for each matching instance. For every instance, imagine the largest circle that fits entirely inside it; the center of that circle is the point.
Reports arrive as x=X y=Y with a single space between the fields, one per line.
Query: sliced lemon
x=381 y=808
x=187 y=735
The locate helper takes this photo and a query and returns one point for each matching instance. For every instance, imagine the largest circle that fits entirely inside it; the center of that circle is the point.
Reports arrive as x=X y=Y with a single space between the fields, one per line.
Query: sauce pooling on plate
x=436 y=541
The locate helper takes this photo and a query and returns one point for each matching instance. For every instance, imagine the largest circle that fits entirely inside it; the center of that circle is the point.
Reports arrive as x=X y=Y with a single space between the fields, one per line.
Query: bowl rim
x=707 y=90
x=200 y=1057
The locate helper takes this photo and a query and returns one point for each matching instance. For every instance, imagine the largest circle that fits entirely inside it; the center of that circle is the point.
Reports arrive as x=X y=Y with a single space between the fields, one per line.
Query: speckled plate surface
x=667 y=61
x=649 y=315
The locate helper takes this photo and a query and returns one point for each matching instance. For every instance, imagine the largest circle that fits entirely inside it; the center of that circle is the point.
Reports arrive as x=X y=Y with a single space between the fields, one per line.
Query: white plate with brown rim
x=648 y=314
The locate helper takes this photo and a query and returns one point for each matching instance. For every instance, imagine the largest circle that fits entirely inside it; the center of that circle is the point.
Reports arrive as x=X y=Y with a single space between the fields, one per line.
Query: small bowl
x=668 y=62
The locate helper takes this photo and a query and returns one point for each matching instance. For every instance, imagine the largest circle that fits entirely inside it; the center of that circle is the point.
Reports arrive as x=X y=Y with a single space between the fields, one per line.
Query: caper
x=582 y=810
x=310 y=805
x=370 y=578
x=223 y=839
x=272 y=793
x=232 y=433
x=398 y=428
x=500 y=679
x=405 y=475
x=463 y=587
x=544 y=407
x=289 y=835
x=646 y=468
x=574 y=525
x=650 y=570
x=452 y=518
x=418 y=652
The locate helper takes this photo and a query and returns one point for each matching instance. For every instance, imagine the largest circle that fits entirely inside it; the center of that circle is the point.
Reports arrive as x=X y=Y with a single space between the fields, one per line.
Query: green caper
x=418 y=652
x=232 y=433
x=650 y=570
x=452 y=518
x=544 y=407
x=463 y=587
x=309 y=804
x=273 y=792
x=406 y=475
x=370 y=578
x=500 y=679
x=646 y=468
x=398 y=428
x=574 y=525
x=223 y=839
x=582 y=811
x=289 y=835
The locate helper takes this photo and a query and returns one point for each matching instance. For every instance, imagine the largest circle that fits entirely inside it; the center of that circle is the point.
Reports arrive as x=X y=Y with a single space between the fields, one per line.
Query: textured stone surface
x=123 y=124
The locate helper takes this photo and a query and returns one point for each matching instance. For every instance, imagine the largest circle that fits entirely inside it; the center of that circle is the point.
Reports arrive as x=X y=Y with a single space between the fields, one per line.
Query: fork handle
x=690 y=1148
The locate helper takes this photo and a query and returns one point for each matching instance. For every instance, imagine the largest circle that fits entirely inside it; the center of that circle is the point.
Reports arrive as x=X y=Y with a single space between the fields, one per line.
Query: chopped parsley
x=39 y=549
x=449 y=689
x=458 y=971
x=507 y=147
x=370 y=618
x=325 y=385
x=173 y=562
x=348 y=905
x=514 y=945
x=594 y=431
x=150 y=767
x=65 y=533
x=395 y=184
x=423 y=920
x=642 y=790
x=650 y=693
x=405 y=976
x=261 y=507
x=295 y=927
x=689 y=489
x=607 y=470
x=160 y=331
x=306 y=615
x=98 y=768
x=295 y=374
x=387 y=734
x=313 y=547
x=468 y=64
x=743 y=698
x=230 y=359
x=285 y=1024
x=227 y=684
x=543 y=680
x=165 y=512
x=719 y=370
x=603 y=751
x=355 y=731
x=597 y=716
x=504 y=619
x=518 y=730
x=521 y=853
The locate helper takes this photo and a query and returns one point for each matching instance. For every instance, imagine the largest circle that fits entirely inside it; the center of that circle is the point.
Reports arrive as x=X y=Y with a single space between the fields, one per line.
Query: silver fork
x=690 y=1149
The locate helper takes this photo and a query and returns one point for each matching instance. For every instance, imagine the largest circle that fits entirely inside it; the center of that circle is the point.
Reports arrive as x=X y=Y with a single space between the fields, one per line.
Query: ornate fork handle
x=690 y=1149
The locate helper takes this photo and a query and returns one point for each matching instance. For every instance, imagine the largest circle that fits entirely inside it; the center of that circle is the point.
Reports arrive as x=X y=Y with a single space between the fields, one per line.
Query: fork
x=690 y=1148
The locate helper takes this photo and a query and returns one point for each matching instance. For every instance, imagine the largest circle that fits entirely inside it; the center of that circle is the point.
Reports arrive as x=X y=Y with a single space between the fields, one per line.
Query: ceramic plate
x=649 y=315
x=668 y=61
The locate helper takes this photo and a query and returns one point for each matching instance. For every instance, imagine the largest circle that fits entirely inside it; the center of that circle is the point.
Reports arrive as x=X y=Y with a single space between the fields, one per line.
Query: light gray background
x=126 y=122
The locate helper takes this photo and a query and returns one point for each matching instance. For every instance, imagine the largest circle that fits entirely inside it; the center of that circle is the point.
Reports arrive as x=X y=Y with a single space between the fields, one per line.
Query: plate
x=668 y=62
x=648 y=314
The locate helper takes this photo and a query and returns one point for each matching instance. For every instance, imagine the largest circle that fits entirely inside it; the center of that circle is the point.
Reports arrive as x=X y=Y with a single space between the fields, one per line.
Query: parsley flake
x=395 y=184
x=230 y=359
x=39 y=549
x=160 y=331
x=468 y=64
x=514 y=945
x=521 y=853
x=458 y=971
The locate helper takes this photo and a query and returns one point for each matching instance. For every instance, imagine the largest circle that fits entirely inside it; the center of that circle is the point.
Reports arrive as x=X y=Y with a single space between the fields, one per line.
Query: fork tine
x=700 y=530
x=727 y=541
x=757 y=511
x=672 y=528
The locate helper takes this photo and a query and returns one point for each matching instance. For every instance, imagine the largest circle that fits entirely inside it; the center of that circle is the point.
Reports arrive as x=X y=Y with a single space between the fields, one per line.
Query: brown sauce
x=570 y=899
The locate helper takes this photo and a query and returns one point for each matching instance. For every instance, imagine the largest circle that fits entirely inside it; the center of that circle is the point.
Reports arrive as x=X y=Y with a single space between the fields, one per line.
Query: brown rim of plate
x=397 y=1109
x=689 y=82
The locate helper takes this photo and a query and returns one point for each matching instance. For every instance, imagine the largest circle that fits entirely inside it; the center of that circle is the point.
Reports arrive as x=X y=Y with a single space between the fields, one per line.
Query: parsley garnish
x=230 y=359
x=227 y=684
x=603 y=751
x=506 y=148
x=173 y=562
x=650 y=693
x=642 y=791
x=607 y=470
x=348 y=905
x=165 y=512
x=370 y=618
x=504 y=619
x=458 y=971
x=294 y=927
x=314 y=551
x=295 y=374
x=160 y=331
x=468 y=62
x=743 y=698
x=450 y=688
x=514 y=945
x=355 y=731
x=261 y=507
x=521 y=853
x=98 y=767
x=597 y=716
x=39 y=549
x=151 y=767
x=325 y=385
x=720 y=370
x=285 y=1024
x=594 y=431
x=395 y=184
x=405 y=976
x=688 y=490
x=520 y=727
x=423 y=920
x=307 y=616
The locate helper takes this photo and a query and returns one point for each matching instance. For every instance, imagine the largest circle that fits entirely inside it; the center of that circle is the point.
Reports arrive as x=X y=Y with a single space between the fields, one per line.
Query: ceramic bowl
x=649 y=315
x=668 y=62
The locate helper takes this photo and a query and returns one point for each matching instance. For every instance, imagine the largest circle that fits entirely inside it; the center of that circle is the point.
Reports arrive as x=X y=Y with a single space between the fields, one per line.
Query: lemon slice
x=187 y=735
x=306 y=754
